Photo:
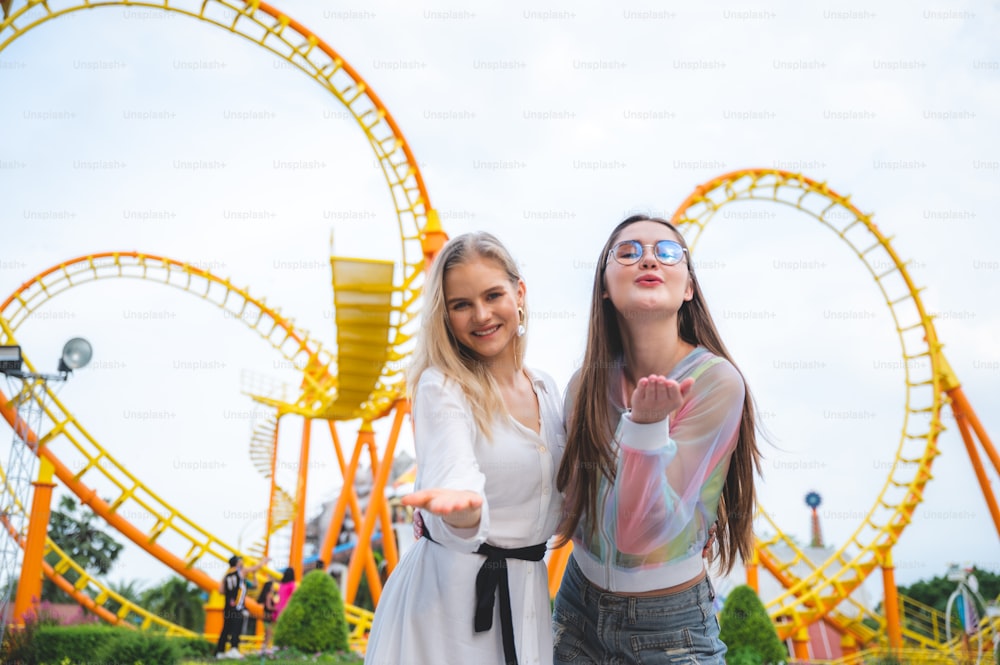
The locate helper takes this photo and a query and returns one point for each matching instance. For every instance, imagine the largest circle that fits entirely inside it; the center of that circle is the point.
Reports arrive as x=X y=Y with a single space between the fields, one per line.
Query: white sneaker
x=221 y=656
x=234 y=653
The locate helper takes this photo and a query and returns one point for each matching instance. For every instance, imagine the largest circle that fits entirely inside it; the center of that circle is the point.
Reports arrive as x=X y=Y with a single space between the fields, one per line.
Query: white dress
x=425 y=614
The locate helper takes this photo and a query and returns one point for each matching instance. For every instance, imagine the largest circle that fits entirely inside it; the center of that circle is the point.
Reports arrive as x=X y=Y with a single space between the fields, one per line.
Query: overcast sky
x=135 y=129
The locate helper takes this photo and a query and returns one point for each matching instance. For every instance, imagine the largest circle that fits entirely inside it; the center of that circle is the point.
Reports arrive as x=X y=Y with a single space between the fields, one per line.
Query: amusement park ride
x=360 y=378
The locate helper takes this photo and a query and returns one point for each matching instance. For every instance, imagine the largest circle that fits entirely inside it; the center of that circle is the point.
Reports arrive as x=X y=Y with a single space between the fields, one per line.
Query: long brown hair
x=437 y=345
x=589 y=454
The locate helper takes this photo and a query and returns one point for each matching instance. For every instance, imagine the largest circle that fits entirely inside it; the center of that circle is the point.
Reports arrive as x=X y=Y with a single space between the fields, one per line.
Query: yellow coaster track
x=816 y=595
x=283 y=36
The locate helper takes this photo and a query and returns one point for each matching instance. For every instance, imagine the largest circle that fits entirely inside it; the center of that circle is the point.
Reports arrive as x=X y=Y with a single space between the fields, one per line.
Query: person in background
x=268 y=598
x=285 y=589
x=234 y=588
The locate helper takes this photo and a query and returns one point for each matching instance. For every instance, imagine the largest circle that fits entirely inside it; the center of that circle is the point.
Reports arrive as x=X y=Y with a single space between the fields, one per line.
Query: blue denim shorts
x=593 y=626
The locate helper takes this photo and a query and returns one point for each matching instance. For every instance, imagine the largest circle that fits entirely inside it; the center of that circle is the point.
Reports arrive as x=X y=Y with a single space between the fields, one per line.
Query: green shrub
x=313 y=620
x=131 y=647
x=48 y=645
x=748 y=631
x=192 y=648
x=743 y=656
x=53 y=643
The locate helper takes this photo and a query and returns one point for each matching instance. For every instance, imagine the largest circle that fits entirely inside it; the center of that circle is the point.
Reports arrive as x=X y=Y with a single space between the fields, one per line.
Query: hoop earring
x=520 y=326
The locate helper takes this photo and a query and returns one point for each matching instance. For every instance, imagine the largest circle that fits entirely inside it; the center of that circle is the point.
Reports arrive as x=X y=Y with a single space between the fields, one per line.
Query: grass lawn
x=286 y=658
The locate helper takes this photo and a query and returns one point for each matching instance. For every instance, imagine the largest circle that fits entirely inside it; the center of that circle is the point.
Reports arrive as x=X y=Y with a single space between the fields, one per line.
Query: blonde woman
x=489 y=435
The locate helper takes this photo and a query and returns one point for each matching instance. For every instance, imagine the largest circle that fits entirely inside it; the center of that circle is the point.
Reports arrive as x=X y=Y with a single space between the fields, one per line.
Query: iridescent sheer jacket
x=654 y=519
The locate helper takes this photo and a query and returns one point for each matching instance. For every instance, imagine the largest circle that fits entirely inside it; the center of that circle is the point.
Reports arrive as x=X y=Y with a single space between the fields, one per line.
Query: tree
x=75 y=533
x=747 y=630
x=313 y=620
x=178 y=601
x=936 y=591
x=130 y=591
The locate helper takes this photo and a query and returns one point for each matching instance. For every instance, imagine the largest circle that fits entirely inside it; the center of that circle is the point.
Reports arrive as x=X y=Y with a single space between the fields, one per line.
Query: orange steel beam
x=88 y=496
x=958 y=398
x=557 y=566
x=65 y=585
x=389 y=549
x=274 y=487
x=29 y=588
x=977 y=466
x=800 y=644
x=362 y=548
x=966 y=419
x=891 y=603
x=376 y=498
x=299 y=524
x=348 y=496
x=83 y=599
x=752 y=567
x=388 y=534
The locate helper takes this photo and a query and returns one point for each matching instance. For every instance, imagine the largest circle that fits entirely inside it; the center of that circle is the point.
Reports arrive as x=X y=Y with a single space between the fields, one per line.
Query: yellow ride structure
x=359 y=377
x=930 y=384
x=376 y=314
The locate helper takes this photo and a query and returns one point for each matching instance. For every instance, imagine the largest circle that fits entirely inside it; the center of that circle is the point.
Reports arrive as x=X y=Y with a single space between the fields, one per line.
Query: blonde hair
x=438 y=347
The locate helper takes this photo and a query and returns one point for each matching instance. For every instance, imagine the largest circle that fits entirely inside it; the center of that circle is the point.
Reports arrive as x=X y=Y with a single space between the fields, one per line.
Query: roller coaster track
x=190 y=542
x=817 y=594
x=86 y=590
x=270 y=29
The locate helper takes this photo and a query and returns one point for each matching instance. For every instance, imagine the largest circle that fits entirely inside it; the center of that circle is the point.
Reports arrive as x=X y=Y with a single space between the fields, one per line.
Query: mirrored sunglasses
x=629 y=252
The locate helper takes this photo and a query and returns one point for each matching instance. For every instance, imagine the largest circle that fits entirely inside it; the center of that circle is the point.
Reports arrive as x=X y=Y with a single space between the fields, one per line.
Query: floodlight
x=10 y=358
x=76 y=354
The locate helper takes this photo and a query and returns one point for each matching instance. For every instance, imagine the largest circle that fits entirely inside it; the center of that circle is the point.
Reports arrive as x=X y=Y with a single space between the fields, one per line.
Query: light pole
x=28 y=400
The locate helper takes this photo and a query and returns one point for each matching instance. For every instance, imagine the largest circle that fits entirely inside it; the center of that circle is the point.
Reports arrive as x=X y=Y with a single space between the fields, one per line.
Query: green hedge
x=54 y=645
x=139 y=647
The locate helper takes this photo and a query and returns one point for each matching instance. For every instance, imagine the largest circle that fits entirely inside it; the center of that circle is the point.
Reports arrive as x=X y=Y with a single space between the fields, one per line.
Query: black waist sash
x=492 y=577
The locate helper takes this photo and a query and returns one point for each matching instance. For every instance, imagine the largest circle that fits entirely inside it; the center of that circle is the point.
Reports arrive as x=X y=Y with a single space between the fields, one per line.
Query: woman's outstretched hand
x=655 y=397
x=459 y=508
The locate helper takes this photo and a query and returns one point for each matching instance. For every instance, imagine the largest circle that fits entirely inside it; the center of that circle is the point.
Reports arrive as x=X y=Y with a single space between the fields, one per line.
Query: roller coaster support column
x=433 y=237
x=557 y=566
x=299 y=525
x=376 y=508
x=752 y=580
x=800 y=643
x=348 y=498
x=389 y=551
x=29 y=588
x=363 y=547
x=891 y=604
x=966 y=419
